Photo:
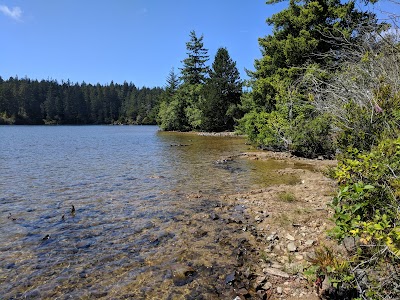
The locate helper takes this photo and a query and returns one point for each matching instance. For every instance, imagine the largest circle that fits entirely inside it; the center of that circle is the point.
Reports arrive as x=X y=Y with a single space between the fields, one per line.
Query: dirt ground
x=286 y=224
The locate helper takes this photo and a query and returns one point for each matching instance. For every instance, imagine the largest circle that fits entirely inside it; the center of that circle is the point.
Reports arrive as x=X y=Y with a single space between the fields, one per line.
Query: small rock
x=243 y=292
x=262 y=295
x=291 y=247
x=279 y=290
x=275 y=265
x=214 y=216
x=267 y=286
x=299 y=257
x=269 y=248
x=34 y=294
x=260 y=280
x=273 y=236
x=258 y=219
x=310 y=257
x=83 y=245
x=349 y=243
x=182 y=274
x=290 y=237
x=309 y=243
x=230 y=278
x=276 y=272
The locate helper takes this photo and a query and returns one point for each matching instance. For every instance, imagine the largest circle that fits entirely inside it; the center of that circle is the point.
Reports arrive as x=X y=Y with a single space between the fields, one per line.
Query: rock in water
x=230 y=278
x=182 y=274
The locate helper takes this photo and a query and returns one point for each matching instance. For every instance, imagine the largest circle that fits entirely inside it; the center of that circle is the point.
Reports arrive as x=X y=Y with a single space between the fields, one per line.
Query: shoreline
x=284 y=224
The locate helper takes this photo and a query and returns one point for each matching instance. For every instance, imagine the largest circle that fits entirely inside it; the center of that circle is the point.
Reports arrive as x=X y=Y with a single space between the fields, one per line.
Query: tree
x=304 y=37
x=304 y=33
x=222 y=93
x=173 y=82
x=194 y=68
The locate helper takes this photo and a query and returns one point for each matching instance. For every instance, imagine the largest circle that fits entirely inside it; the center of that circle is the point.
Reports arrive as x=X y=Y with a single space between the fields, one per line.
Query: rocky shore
x=283 y=225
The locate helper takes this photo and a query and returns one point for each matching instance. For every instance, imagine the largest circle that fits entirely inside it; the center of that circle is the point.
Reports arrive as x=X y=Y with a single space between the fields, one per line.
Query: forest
x=25 y=101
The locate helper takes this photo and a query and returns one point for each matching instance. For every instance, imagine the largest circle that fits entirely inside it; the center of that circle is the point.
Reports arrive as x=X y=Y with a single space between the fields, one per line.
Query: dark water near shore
x=143 y=200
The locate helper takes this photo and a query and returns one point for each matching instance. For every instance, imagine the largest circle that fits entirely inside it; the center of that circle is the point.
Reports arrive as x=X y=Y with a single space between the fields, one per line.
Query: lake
x=141 y=226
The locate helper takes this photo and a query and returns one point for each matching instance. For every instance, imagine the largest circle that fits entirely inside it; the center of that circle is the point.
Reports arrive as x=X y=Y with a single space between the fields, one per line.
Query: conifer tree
x=194 y=69
x=222 y=93
x=173 y=82
x=305 y=38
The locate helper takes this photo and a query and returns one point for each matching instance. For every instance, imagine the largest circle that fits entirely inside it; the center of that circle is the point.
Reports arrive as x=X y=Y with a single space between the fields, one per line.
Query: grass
x=287 y=197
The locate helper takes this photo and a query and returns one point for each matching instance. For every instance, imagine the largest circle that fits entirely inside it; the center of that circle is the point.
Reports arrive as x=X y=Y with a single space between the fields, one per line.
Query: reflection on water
x=141 y=228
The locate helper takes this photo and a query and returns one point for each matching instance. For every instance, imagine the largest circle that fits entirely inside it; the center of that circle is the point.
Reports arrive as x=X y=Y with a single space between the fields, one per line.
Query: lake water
x=142 y=203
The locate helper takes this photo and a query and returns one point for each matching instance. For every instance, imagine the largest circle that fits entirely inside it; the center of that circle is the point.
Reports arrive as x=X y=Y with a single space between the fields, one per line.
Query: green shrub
x=287 y=197
x=367 y=208
x=312 y=137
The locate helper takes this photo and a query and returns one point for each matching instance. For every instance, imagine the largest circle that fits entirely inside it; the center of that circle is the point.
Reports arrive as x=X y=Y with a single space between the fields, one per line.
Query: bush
x=313 y=138
x=367 y=208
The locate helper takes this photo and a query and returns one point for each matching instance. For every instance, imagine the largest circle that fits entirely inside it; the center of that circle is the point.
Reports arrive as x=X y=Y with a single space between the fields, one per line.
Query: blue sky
x=139 y=41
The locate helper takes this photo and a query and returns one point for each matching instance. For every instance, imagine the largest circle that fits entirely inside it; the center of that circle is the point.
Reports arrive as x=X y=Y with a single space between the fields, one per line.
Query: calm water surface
x=142 y=198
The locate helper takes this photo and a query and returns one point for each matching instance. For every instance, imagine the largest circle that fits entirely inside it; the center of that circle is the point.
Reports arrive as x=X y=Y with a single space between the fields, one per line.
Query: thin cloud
x=14 y=13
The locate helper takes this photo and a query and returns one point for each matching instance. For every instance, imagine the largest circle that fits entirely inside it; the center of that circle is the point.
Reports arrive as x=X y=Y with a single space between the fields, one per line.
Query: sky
x=138 y=41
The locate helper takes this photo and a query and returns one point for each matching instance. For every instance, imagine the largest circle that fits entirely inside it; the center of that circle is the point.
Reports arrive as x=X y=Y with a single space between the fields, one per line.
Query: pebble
x=279 y=290
x=267 y=286
x=34 y=294
x=290 y=237
x=273 y=236
x=275 y=265
x=291 y=247
x=276 y=272
x=309 y=243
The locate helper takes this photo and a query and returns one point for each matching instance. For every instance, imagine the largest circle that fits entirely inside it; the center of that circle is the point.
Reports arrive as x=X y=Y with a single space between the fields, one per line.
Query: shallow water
x=142 y=203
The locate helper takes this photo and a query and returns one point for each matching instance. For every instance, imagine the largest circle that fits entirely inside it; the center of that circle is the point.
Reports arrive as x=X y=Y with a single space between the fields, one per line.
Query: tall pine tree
x=194 y=68
x=222 y=93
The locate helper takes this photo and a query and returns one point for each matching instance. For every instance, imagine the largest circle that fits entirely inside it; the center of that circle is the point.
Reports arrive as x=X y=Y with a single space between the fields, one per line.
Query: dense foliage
x=367 y=212
x=25 y=101
x=304 y=39
x=203 y=98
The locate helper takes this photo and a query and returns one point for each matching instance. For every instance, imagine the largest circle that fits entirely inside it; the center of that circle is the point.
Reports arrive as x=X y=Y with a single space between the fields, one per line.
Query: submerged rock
x=230 y=278
x=182 y=274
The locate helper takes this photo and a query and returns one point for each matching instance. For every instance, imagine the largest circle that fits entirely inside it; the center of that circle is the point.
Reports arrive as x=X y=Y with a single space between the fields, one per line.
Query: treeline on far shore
x=26 y=101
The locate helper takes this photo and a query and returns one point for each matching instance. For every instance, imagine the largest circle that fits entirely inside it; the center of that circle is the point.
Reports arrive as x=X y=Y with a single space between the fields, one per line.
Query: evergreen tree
x=304 y=39
x=222 y=93
x=194 y=69
x=173 y=83
x=304 y=33
x=23 y=101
